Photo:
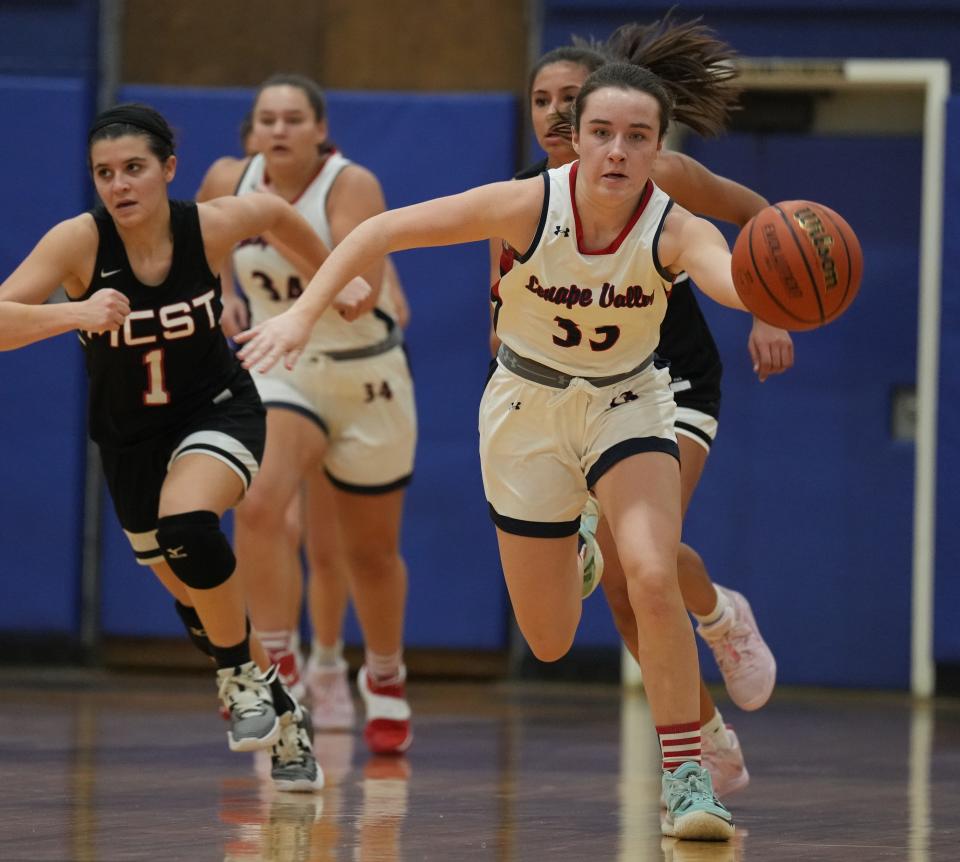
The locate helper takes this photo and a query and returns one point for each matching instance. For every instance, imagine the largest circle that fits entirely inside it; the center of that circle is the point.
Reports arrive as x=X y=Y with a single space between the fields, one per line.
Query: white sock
x=276 y=641
x=384 y=668
x=716 y=730
x=717 y=614
x=327 y=656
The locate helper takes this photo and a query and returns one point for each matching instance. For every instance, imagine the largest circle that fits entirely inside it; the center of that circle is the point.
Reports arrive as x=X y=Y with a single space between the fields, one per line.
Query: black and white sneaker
x=245 y=692
x=293 y=765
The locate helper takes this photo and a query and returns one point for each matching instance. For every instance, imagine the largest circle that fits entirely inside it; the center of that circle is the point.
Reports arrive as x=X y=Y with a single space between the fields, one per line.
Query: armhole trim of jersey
x=666 y=276
x=243 y=175
x=326 y=195
x=523 y=258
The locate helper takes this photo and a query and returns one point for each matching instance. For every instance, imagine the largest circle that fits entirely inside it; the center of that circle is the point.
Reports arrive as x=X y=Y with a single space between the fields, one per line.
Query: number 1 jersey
x=170 y=358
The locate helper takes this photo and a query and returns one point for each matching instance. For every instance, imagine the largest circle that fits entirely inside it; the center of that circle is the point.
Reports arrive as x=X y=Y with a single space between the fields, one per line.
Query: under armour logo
x=557 y=230
x=515 y=405
x=177 y=553
x=623 y=398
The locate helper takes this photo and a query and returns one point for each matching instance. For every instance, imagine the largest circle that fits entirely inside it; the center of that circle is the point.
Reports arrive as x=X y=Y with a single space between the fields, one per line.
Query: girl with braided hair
x=698 y=71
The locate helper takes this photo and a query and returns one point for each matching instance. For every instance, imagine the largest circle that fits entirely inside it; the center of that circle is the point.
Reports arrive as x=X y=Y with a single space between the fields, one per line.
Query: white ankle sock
x=717 y=614
x=384 y=668
x=327 y=656
x=716 y=730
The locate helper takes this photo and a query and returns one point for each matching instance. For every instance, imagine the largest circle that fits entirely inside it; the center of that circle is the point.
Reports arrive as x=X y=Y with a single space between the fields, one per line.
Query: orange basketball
x=797 y=265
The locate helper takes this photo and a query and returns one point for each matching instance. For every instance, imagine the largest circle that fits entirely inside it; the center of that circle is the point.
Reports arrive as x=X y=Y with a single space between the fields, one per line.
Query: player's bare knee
x=196 y=549
x=688 y=558
x=653 y=589
x=550 y=647
x=372 y=561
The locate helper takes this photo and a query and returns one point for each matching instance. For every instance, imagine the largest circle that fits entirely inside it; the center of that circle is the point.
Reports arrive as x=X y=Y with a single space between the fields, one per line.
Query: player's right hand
x=275 y=339
x=105 y=311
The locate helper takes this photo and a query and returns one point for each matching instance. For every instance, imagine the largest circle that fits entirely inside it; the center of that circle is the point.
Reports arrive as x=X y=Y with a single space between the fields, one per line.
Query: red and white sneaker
x=330 y=702
x=387 y=729
x=725 y=765
x=748 y=667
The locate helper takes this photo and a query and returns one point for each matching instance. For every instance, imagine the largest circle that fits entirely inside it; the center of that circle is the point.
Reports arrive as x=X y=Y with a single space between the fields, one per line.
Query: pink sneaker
x=748 y=667
x=725 y=765
x=330 y=702
x=387 y=730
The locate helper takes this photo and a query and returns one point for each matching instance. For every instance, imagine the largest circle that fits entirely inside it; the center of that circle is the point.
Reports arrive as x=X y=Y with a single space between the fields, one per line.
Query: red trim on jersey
x=507 y=257
x=645 y=196
x=303 y=191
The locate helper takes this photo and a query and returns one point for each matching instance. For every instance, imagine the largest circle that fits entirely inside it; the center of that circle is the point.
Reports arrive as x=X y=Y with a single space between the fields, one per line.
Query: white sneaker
x=589 y=550
x=748 y=667
x=725 y=765
x=330 y=702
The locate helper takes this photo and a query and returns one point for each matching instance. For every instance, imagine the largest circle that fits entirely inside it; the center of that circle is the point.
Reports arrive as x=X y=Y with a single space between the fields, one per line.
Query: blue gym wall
x=806 y=504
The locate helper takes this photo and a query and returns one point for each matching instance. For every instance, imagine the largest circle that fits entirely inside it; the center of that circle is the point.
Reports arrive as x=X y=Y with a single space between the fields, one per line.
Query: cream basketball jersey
x=586 y=313
x=272 y=284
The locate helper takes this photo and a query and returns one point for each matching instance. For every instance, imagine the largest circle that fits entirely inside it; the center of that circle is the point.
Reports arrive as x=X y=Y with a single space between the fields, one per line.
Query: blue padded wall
x=42 y=431
x=420 y=146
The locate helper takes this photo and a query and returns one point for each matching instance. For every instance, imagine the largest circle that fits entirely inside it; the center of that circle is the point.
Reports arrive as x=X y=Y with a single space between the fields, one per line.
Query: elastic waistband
x=536 y=372
x=394 y=339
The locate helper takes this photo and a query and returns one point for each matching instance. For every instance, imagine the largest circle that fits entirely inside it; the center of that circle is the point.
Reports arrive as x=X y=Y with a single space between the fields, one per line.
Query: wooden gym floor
x=100 y=766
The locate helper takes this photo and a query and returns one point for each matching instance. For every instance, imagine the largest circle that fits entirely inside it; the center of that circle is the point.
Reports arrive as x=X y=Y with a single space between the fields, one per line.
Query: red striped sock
x=679 y=743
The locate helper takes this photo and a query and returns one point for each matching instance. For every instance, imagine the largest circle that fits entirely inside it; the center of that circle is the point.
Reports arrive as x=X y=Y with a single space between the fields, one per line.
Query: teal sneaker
x=590 y=557
x=692 y=809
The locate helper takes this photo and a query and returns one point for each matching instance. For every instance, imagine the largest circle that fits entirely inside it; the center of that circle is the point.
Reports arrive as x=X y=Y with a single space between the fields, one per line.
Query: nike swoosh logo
x=108 y=274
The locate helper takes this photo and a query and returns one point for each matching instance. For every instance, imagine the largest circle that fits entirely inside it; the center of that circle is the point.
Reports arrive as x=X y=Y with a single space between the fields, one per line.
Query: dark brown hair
x=625 y=76
x=692 y=62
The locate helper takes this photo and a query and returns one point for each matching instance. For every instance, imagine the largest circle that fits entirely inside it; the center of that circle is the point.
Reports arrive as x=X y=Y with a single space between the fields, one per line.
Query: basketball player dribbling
x=725 y=619
x=178 y=421
x=576 y=404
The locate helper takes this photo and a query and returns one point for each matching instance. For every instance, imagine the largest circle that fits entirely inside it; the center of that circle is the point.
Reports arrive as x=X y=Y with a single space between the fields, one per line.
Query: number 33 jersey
x=589 y=313
x=272 y=284
x=170 y=359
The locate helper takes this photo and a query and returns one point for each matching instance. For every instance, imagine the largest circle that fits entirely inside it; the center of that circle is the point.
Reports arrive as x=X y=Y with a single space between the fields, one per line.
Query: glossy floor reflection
x=107 y=767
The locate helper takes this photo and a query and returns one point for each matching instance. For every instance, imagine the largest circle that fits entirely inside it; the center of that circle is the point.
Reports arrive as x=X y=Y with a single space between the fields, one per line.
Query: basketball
x=797 y=265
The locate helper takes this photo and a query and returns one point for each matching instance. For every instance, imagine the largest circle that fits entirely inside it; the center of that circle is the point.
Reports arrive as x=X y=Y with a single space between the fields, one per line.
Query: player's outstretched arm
x=508 y=209
x=65 y=256
x=693 y=245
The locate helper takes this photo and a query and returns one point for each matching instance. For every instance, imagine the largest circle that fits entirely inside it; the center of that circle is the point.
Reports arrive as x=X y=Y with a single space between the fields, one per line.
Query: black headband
x=131 y=115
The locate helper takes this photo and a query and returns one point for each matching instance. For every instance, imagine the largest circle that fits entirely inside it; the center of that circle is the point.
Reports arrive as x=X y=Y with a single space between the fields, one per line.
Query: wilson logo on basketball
x=822 y=242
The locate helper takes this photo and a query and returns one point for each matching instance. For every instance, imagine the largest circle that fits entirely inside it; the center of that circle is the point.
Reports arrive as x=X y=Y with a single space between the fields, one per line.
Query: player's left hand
x=771 y=349
x=277 y=338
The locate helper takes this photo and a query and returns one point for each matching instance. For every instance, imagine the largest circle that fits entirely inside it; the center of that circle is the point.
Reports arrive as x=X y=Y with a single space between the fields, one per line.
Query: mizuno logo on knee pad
x=195 y=549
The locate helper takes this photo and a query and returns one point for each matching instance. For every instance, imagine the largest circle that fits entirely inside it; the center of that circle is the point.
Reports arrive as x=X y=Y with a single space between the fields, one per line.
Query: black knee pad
x=195 y=549
x=195 y=630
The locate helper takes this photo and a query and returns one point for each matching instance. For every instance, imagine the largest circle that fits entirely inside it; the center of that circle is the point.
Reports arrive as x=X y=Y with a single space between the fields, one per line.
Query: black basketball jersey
x=685 y=341
x=170 y=358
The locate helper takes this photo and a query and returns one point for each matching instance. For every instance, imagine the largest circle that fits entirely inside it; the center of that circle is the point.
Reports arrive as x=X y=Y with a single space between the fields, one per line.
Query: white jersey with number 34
x=272 y=284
